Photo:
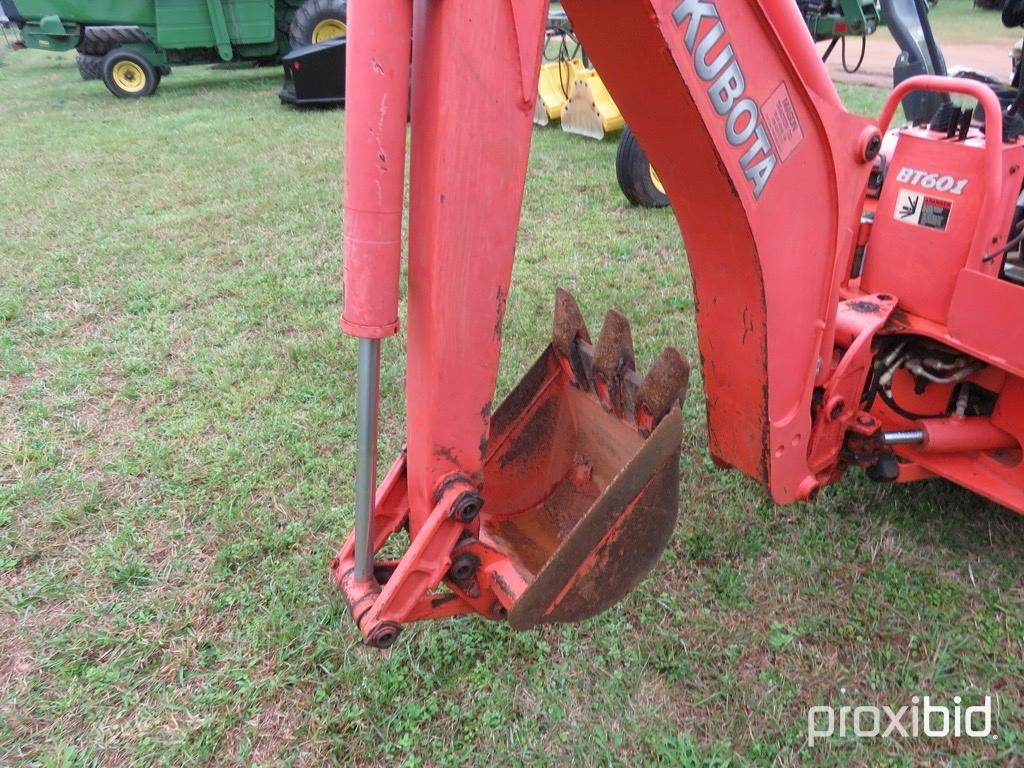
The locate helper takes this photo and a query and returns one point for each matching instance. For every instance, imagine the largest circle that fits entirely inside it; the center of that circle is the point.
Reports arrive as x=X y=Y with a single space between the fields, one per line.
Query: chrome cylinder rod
x=367 y=396
x=904 y=437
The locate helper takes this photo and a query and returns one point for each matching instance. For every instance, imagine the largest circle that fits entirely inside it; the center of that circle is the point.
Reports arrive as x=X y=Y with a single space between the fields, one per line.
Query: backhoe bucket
x=582 y=472
x=590 y=110
x=579 y=496
x=553 y=88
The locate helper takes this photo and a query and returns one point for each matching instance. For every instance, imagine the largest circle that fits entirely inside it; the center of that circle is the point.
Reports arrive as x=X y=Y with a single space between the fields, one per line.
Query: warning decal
x=915 y=207
x=783 y=124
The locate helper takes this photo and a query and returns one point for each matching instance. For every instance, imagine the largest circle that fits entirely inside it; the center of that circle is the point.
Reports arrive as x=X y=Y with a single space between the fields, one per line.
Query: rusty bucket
x=582 y=471
x=579 y=497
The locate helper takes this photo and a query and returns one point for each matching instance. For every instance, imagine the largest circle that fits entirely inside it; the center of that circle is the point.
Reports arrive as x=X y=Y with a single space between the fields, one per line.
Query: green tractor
x=131 y=44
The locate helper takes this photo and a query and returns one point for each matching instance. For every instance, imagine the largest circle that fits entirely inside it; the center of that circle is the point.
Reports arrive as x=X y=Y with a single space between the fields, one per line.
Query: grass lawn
x=958 y=21
x=176 y=462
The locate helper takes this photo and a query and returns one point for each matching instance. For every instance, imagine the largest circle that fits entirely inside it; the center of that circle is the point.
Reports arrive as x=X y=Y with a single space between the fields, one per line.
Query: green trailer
x=837 y=20
x=131 y=44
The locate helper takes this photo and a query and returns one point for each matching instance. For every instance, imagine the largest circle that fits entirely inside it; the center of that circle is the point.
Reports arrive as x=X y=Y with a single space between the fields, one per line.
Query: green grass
x=958 y=22
x=176 y=462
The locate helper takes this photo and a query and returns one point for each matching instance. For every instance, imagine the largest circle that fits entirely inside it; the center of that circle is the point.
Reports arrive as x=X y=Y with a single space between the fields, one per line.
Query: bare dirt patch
x=275 y=731
x=17 y=662
x=882 y=51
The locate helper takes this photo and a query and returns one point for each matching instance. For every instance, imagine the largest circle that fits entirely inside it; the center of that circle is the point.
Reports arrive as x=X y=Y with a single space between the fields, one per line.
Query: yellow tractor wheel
x=316 y=21
x=328 y=29
x=128 y=75
x=637 y=178
x=656 y=181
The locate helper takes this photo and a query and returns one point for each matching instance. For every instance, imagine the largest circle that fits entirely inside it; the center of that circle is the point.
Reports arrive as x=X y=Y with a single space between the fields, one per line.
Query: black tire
x=1013 y=14
x=99 y=41
x=137 y=78
x=90 y=67
x=635 y=175
x=310 y=15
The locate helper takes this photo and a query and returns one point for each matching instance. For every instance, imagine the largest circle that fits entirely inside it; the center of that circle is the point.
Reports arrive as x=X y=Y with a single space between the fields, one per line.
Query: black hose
x=893 y=405
x=860 y=61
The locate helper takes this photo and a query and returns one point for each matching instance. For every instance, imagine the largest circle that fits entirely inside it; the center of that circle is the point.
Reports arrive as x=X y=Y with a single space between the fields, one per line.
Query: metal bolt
x=463 y=568
x=873 y=147
x=467 y=506
x=384 y=635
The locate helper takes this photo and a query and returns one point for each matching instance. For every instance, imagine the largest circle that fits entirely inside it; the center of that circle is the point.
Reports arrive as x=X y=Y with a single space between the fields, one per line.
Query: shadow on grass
x=939 y=514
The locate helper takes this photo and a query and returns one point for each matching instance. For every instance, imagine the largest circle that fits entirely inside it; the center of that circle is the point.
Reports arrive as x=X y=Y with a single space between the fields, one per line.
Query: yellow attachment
x=556 y=79
x=329 y=29
x=129 y=76
x=590 y=110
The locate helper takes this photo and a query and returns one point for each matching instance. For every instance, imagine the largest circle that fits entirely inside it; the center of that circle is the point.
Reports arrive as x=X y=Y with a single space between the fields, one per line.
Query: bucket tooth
x=569 y=323
x=614 y=351
x=569 y=328
x=540 y=113
x=613 y=362
x=663 y=386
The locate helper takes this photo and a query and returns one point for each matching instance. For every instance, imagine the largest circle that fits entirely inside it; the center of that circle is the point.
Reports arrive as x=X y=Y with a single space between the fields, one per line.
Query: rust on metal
x=450 y=481
x=617 y=540
x=665 y=383
x=864 y=307
x=503 y=585
x=614 y=351
x=532 y=435
x=442 y=600
x=569 y=324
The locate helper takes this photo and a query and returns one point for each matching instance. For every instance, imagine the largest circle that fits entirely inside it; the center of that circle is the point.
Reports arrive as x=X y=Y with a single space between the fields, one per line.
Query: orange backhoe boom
x=736 y=111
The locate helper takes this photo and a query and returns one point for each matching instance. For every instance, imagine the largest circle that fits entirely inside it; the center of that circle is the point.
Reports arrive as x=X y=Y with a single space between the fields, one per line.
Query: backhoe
x=858 y=289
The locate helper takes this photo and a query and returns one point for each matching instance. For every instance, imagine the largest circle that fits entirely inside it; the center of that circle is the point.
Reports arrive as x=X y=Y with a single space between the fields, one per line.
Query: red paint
x=377 y=98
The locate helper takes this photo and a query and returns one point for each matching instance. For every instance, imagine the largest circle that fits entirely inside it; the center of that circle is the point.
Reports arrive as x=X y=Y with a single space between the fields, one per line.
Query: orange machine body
x=927 y=223
x=836 y=326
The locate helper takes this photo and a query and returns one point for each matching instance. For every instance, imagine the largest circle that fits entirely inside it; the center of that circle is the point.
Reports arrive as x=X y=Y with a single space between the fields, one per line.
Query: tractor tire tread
x=308 y=15
x=99 y=41
x=152 y=73
x=633 y=171
x=89 y=67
